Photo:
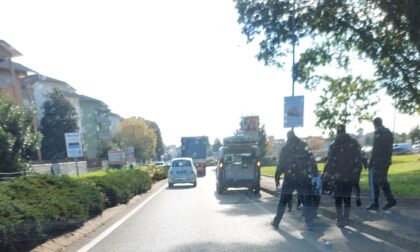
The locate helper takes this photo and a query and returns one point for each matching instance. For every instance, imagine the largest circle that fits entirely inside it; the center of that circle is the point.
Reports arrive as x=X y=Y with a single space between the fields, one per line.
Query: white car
x=159 y=163
x=182 y=170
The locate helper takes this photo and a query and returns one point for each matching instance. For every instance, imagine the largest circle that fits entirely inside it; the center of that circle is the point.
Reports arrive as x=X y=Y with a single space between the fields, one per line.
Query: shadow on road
x=181 y=187
x=368 y=244
x=291 y=244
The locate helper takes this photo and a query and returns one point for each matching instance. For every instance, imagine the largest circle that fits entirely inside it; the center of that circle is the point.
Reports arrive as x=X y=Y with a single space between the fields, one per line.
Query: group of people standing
x=342 y=173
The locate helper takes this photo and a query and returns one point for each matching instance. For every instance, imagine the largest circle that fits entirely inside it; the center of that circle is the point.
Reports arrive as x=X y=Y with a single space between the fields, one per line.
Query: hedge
x=119 y=187
x=36 y=208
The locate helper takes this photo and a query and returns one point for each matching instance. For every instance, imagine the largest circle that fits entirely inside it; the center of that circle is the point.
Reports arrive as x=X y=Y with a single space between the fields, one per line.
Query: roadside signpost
x=74 y=146
x=293 y=111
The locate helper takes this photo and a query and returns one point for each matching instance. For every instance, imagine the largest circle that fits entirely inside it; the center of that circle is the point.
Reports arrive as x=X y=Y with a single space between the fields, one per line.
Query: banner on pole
x=293 y=111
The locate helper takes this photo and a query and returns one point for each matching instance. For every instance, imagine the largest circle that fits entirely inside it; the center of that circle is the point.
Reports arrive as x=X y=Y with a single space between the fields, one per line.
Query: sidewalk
x=399 y=225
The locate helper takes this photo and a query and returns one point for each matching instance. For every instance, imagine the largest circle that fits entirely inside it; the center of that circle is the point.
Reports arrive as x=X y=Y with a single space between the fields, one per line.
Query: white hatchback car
x=182 y=170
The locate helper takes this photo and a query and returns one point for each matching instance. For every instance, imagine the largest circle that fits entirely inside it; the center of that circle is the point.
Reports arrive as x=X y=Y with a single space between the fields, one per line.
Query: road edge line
x=109 y=230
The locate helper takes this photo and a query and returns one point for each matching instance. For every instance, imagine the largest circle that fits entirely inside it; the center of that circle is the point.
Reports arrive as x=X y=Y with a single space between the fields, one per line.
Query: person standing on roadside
x=297 y=164
x=343 y=167
x=379 y=163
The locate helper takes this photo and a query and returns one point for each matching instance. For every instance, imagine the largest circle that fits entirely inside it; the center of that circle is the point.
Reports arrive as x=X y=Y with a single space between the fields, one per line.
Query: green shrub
x=120 y=186
x=34 y=208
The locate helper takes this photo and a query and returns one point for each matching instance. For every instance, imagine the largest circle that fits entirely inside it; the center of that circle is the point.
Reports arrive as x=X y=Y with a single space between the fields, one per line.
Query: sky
x=183 y=64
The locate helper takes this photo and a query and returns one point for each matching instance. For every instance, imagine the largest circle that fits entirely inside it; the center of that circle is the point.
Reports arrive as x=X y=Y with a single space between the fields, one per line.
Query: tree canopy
x=216 y=145
x=59 y=117
x=262 y=141
x=160 y=148
x=17 y=139
x=134 y=132
x=385 y=33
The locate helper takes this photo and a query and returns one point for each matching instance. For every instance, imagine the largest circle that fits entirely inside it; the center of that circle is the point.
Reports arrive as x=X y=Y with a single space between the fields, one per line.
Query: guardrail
x=12 y=175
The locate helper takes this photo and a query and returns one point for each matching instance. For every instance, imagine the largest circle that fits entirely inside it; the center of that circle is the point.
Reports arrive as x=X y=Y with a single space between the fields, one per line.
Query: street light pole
x=293 y=44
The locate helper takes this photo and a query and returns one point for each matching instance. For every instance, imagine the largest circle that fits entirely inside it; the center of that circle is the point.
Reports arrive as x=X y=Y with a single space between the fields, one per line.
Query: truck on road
x=238 y=164
x=196 y=148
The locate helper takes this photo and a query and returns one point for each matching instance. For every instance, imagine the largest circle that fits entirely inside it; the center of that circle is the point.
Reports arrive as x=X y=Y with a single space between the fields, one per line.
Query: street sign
x=293 y=111
x=73 y=145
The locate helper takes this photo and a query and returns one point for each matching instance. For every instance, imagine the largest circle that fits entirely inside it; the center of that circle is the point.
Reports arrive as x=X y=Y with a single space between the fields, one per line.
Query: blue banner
x=293 y=111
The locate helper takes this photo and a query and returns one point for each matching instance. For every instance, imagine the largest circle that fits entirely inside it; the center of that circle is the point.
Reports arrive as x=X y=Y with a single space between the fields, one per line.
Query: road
x=198 y=219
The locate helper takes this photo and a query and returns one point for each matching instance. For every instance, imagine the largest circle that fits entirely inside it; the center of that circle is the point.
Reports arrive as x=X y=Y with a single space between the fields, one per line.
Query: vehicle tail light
x=221 y=164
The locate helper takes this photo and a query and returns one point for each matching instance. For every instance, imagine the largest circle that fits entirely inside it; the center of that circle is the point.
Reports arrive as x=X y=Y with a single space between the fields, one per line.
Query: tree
x=59 y=117
x=135 y=132
x=386 y=33
x=262 y=141
x=414 y=134
x=216 y=145
x=400 y=138
x=17 y=139
x=160 y=148
x=270 y=147
x=103 y=147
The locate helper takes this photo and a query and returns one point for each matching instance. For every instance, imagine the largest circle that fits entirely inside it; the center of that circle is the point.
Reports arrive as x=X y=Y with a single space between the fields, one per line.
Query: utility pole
x=294 y=70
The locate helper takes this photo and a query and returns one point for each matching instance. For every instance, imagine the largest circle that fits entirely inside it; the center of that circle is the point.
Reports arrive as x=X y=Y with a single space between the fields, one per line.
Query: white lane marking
x=105 y=233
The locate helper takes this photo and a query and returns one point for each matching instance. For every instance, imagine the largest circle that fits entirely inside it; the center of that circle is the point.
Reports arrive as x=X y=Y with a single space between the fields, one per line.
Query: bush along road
x=37 y=208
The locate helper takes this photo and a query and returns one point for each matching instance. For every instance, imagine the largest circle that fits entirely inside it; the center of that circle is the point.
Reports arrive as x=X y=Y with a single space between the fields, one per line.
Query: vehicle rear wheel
x=220 y=189
x=257 y=189
x=170 y=185
x=195 y=184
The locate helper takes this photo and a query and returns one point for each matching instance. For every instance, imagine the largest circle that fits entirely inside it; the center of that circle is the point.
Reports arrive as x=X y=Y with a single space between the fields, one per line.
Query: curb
x=388 y=236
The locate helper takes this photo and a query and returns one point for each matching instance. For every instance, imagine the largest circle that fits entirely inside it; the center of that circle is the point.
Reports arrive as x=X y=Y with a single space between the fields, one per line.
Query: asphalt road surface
x=185 y=218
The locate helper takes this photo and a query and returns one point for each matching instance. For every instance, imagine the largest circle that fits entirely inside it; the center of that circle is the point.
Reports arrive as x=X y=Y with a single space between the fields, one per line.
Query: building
x=96 y=125
x=41 y=86
x=115 y=121
x=12 y=74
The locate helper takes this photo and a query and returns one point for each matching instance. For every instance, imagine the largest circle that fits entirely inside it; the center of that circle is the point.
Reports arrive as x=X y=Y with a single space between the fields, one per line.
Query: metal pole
x=77 y=168
x=395 y=112
x=294 y=44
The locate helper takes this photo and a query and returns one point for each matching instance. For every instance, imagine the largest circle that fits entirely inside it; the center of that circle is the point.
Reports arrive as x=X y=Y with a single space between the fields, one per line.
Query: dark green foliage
x=216 y=145
x=414 y=134
x=385 y=33
x=17 y=140
x=103 y=147
x=59 y=118
x=36 y=207
x=345 y=98
x=120 y=186
x=262 y=141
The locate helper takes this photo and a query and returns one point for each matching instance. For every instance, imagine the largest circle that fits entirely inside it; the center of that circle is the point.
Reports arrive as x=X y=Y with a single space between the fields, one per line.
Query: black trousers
x=298 y=203
x=342 y=195
x=303 y=188
x=378 y=178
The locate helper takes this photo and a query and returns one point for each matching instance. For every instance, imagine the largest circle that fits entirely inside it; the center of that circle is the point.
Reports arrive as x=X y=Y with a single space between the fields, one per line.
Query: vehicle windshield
x=181 y=163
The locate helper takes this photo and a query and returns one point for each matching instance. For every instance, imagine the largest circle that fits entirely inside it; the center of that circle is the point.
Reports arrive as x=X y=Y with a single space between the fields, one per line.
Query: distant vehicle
x=416 y=148
x=196 y=148
x=116 y=158
x=401 y=149
x=238 y=164
x=159 y=163
x=182 y=170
